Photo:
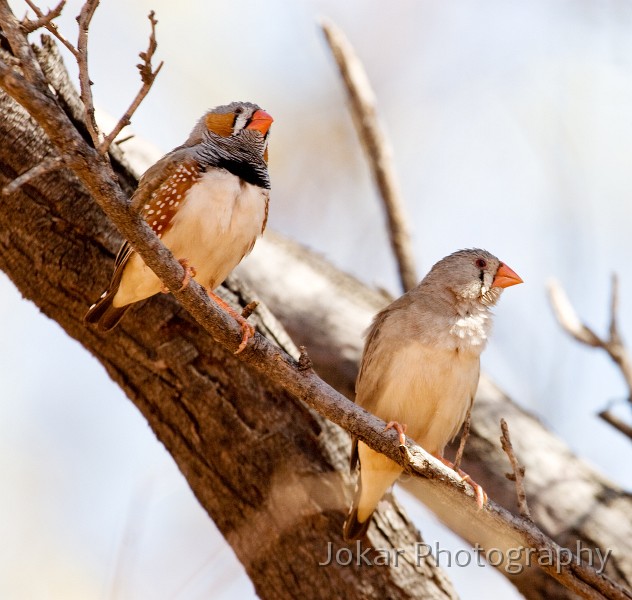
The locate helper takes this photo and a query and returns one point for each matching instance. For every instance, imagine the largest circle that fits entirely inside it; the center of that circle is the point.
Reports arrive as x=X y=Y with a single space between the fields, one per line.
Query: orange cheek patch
x=220 y=124
x=168 y=198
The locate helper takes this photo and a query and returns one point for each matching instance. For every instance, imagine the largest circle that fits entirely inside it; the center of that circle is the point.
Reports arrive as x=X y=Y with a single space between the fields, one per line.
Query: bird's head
x=474 y=275
x=241 y=123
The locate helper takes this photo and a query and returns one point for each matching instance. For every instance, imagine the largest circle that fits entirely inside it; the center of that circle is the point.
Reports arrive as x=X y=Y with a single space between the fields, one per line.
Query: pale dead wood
x=377 y=148
x=614 y=346
x=148 y=75
x=517 y=474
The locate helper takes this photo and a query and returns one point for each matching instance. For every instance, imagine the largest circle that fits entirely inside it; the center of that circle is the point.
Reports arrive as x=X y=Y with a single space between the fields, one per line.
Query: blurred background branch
x=614 y=346
x=377 y=148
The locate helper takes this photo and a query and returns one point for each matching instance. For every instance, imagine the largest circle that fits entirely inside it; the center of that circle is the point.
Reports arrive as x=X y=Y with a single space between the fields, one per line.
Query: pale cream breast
x=429 y=390
x=216 y=226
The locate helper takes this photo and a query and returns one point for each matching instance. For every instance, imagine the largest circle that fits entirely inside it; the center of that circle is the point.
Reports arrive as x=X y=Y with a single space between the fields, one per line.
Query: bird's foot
x=479 y=492
x=247 y=330
x=189 y=272
x=401 y=430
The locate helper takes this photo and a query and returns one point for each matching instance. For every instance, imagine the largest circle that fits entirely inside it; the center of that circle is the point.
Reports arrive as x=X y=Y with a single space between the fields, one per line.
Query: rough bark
x=270 y=473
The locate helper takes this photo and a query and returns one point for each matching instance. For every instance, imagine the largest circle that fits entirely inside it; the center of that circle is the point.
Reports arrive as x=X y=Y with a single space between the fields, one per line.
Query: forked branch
x=615 y=348
x=147 y=74
x=43 y=20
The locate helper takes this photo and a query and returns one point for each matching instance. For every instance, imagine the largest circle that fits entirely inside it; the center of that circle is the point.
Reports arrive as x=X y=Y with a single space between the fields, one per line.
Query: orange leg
x=247 y=330
x=479 y=492
x=401 y=430
x=189 y=272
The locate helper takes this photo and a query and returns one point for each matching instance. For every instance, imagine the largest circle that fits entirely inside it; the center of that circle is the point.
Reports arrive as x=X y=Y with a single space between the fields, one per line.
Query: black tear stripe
x=482 y=276
x=244 y=170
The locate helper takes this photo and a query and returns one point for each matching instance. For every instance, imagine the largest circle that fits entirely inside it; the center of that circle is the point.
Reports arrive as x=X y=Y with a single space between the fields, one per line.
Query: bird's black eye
x=481 y=263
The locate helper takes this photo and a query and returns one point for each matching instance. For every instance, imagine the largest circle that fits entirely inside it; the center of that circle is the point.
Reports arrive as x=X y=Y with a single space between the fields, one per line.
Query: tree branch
x=465 y=434
x=614 y=346
x=43 y=20
x=147 y=75
x=517 y=474
x=85 y=84
x=377 y=149
x=616 y=422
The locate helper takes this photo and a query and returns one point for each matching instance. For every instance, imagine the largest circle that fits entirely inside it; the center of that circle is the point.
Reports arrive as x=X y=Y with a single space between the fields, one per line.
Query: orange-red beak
x=260 y=121
x=505 y=277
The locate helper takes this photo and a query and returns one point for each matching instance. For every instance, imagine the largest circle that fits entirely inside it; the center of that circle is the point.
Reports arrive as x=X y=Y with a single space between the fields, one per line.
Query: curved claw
x=479 y=492
x=401 y=430
x=247 y=331
x=189 y=272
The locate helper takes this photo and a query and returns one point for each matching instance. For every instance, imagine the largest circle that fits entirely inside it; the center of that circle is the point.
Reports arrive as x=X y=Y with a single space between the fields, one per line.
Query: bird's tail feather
x=353 y=529
x=103 y=313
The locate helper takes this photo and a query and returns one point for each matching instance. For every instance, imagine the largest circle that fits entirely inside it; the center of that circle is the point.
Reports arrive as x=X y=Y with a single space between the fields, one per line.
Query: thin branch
x=43 y=20
x=44 y=167
x=249 y=308
x=377 y=149
x=127 y=138
x=616 y=422
x=517 y=475
x=84 y=18
x=465 y=434
x=147 y=75
x=615 y=337
x=20 y=47
x=571 y=323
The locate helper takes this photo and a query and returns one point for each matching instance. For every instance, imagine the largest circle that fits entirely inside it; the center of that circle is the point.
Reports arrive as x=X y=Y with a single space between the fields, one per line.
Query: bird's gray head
x=234 y=137
x=471 y=275
x=236 y=124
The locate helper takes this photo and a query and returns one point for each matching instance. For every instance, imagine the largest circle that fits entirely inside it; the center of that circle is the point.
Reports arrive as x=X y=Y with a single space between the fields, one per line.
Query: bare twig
x=127 y=138
x=147 y=75
x=249 y=309
x=518 y=471
x=39 y=169
x=377 y=148
x=616 y=422
x=43 y=19
x=304 y=361
x=465 y=433
x=84 y=18
x=570 y=322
